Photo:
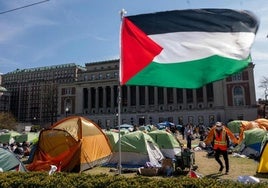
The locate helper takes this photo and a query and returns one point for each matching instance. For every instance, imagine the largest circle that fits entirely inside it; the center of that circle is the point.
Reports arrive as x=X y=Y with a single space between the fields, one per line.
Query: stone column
x=104 y=98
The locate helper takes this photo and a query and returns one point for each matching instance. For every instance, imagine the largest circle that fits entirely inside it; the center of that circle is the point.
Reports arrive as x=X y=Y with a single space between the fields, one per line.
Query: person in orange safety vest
x=219 y=137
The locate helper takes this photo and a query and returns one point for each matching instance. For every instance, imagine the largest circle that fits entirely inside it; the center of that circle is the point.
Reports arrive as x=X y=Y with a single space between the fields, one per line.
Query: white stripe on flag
x=188 y=46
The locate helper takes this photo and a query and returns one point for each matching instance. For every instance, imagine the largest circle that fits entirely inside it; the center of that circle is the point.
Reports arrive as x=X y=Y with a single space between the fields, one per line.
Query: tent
x=164 y=124
x=167 y=143
x=74 y=144
x=113 y=138
x=9 y=161
x=128 y=127
x=239 y=126
x=28 y=137
x=235 y=126
x=8 y=136
x=252 y=141
x=5 y=138
x=137 y=148
x=262 y=123
x=263 y=163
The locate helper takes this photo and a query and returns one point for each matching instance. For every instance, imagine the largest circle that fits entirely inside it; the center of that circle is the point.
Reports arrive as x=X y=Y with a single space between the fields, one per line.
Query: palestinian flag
x=185 y=48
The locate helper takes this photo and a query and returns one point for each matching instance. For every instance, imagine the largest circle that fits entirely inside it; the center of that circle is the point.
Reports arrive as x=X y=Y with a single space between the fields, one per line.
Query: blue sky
x=83 y=31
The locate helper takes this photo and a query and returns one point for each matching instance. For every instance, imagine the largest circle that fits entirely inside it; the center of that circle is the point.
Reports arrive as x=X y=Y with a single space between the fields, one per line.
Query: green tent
x=254 y=137
x=8 y=136
x=29 y=137
x=113 y=137
x=234 y=126
x=167 y=143
x=9 y=162
x=137 y=148
x=5 y=138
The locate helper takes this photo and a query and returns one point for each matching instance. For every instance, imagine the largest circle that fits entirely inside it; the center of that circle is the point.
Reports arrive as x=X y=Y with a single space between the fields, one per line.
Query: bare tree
x=7 y=121
x=264 y=85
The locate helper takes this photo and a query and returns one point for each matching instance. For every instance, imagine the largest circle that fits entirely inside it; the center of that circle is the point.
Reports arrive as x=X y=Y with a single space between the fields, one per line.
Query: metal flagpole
x=119 y=134
x=122 y=13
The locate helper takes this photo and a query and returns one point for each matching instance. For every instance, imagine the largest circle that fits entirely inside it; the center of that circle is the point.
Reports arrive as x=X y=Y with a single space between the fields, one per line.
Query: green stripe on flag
x=188 y=74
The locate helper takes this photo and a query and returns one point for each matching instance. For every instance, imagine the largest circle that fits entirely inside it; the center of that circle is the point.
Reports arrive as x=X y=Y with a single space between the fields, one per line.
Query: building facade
x=46 y=94
x=95 y=96
x=34 y=92
x=4 y=98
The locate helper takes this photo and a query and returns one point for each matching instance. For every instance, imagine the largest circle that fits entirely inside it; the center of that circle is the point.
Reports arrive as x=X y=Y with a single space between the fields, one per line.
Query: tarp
x=73 y=144
x=167 y=143
x=137 y=148
x=9 y=161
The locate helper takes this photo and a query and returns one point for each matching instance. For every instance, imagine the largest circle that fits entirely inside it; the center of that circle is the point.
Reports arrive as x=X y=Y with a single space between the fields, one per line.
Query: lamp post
x=34 y=120
x=66 y=111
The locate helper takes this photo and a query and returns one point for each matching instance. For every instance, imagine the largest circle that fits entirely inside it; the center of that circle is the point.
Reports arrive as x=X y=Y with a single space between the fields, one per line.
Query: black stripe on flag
x=199 y=20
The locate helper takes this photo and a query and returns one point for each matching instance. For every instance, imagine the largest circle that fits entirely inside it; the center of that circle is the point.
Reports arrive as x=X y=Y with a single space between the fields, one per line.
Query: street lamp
x=66 y=111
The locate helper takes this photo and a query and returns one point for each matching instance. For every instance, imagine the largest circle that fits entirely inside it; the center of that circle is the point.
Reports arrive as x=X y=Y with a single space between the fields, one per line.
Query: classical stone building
x=46 y=94
x=95 y=96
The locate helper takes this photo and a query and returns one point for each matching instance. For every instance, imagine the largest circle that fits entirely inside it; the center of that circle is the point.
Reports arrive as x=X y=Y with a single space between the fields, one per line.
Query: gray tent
x=9 y=161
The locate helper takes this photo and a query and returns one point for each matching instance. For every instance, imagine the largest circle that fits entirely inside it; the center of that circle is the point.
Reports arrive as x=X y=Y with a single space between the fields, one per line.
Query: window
x=199 y=95
x=238 y=94
x=133 y=95
x=170 y=95
x=115 y=74
x=108 y=75
x=189 y=95
x=237 y=77
x=210 y=93
x=160 y=91
x=142 y=95
x=124 y=95
x=151 y=95
x=179 y=95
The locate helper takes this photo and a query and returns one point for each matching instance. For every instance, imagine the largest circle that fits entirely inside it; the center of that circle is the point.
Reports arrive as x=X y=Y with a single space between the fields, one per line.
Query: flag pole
x=122 y=13
x=119 y=134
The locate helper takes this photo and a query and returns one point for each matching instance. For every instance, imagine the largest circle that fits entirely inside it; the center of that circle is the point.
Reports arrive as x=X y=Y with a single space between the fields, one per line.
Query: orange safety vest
x=220 y=141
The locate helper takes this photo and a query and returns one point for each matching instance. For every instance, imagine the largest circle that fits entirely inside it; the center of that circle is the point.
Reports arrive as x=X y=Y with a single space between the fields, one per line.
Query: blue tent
x=164 y=124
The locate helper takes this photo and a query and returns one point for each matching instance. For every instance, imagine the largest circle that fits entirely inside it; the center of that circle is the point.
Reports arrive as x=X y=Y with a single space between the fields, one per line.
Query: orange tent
x=73 y=144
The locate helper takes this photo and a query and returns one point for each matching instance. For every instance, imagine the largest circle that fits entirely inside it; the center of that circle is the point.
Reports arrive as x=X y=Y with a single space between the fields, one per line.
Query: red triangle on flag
x=137 y=50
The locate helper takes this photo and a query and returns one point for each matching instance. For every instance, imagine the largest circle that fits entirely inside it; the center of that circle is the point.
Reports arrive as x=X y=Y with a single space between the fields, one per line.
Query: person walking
x=219 y=137
x=189 y=135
